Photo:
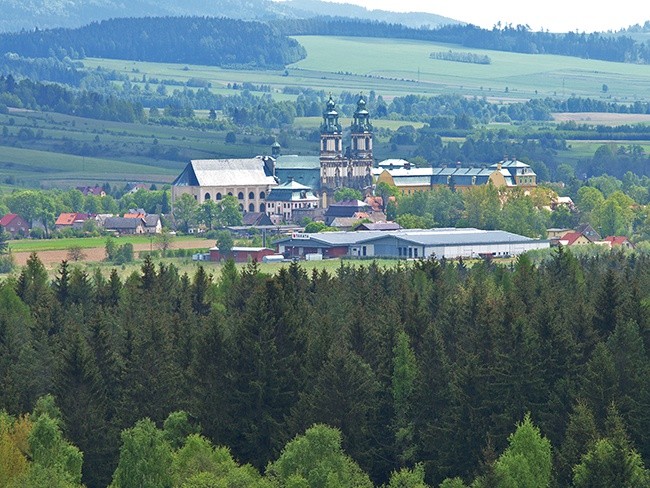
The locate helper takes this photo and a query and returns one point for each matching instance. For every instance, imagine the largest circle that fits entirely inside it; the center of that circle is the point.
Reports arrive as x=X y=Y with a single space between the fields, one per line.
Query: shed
x=242 y=254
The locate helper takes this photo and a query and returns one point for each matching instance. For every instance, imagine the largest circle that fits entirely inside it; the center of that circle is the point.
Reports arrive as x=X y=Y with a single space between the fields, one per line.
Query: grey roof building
x=447 y=243
x=249 y=180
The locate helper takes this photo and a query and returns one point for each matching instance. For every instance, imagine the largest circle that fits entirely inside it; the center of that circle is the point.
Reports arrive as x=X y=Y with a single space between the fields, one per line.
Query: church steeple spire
x=330 y=123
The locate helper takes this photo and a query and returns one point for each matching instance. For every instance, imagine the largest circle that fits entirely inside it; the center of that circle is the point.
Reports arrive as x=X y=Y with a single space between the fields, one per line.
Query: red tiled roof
x=571 y=237
x=66 y=219
x=5 y=220
x=134 y=216
x=617 y=240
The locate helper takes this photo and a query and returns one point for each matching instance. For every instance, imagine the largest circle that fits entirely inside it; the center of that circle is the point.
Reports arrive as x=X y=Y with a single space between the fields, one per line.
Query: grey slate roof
x=122 y=223
x=296 y=161
x=225 y=172
x=423 y=237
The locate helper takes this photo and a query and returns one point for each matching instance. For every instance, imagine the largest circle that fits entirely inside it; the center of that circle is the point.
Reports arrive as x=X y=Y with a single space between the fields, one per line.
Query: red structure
x=242 y=254
x=14 y=224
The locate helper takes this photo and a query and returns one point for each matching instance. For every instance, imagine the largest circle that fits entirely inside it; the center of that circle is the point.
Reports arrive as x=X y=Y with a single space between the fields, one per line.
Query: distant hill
x=195 y=40
x=314 y=8
x=43 y=14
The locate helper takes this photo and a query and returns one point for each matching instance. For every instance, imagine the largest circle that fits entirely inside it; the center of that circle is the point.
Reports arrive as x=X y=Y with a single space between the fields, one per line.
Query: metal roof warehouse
x=449 y=243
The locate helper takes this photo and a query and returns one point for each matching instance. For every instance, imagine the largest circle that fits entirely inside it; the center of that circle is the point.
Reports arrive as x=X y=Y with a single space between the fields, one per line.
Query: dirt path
x=96 y=254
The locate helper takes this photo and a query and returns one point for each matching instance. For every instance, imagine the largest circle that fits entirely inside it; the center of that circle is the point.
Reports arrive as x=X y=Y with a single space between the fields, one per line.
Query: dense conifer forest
x=485 y=374
x=194 y=40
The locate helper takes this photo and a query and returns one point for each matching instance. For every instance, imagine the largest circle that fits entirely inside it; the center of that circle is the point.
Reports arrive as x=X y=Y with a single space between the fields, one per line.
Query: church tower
x=332 y=163
x=360 y=158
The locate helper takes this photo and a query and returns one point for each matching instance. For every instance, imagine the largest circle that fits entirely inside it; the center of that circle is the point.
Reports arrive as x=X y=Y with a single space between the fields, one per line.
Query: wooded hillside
x=199 y=40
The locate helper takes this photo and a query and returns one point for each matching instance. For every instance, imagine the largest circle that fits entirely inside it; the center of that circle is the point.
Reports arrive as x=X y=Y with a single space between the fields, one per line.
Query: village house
x=242 y=254
x=14 y=224
x=71 y=220
x=123 y=225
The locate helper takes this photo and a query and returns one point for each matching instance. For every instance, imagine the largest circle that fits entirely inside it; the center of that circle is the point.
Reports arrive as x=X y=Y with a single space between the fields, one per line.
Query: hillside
x=210 y=41
x=43 y=14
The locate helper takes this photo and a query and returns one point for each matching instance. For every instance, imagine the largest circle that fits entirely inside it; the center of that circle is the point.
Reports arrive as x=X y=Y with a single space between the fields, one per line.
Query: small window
x=251 y=207
x=240 y=196
x=262 y=195
x=251 y=196
x=218 y=196
x=262 y=207
x=207 y=196
x=229 y=193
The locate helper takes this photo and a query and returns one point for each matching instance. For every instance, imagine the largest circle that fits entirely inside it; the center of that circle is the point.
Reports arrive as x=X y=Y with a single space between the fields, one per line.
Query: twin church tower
x=351 y=168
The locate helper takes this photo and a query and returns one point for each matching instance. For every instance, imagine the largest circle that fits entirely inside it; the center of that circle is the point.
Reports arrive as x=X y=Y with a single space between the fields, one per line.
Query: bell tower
x=332 y=163
x=361 y=159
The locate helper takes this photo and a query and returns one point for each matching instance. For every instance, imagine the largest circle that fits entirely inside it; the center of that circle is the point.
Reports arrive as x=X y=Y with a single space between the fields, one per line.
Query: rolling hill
x=43 y=14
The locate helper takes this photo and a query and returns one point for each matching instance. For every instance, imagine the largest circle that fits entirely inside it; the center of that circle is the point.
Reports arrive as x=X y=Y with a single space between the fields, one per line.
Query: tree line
x=519 y=38
x=428 y=363
x=192 y=40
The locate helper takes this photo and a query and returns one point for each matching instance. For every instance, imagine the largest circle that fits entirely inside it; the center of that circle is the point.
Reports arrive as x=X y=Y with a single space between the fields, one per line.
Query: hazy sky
x=552 y=15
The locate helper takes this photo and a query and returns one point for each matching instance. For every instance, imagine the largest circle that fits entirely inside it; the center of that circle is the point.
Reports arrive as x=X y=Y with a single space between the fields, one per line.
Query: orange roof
x=134 y=216
x=66 y=219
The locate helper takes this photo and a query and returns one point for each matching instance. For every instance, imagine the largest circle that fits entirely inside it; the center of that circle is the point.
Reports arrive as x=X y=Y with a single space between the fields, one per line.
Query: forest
x=193 y=40
x=452 y=373
x=225 y=42
x=519 y=39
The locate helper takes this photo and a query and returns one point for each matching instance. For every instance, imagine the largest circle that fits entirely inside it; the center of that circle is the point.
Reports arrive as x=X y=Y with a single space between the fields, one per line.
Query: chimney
x=407 y=165
x=458 y=164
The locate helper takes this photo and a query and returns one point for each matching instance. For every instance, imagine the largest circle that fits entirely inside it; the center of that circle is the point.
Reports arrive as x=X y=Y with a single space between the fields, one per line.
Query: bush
x=6 y=263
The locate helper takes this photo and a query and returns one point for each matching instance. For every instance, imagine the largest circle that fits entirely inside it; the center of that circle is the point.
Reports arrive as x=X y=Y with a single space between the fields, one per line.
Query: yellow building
x=408 y=179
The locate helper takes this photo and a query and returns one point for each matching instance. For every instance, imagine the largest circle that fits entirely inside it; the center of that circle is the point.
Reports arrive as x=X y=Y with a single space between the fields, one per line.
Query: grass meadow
x=394 y=67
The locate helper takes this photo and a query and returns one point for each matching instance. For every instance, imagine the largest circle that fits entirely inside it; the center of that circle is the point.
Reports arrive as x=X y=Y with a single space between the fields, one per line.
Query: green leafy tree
x=385 y=191
x=52 y=453
x=209 y=213
x=229 y=212
x=317 y=460
x=145 y=458
x=185 y=211
x=526 y=463
x=225 y=242
x=408 y=478
x=343 y=194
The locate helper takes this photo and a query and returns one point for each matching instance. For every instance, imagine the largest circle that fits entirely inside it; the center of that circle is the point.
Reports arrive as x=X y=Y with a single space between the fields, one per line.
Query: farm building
x=242 y=254
x=447 y=243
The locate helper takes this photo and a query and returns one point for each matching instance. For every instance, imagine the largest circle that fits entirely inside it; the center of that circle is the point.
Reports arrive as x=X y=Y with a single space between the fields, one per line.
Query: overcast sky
x=552 y=15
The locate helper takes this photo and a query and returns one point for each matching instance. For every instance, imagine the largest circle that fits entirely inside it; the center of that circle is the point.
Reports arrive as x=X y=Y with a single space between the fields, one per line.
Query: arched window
x=240 y=196
x=229 y=193
x=218 y=196
x=262 y=195
x=207 y=196
x=241 y=207
x=251 y=196
x=262 y=207
x=251 y=207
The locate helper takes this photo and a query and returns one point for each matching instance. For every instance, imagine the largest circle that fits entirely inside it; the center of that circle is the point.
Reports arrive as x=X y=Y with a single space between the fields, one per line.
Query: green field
x=29 y=245
x=395 y=67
